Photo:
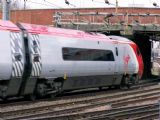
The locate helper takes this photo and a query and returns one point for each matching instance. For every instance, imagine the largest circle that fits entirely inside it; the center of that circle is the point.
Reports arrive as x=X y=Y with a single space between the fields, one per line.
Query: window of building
x=82 y=54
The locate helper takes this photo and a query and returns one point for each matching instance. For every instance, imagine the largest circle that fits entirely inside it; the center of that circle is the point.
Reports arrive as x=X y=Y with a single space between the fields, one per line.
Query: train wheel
x=53 y=95
x=128 y=86
x=5 y=99
x=135 y=80
x=110 y=87
x=100 y=88
x=57 y=89
x=116 y=87
x=41 y=90
x=124 y=82
x=31 y=97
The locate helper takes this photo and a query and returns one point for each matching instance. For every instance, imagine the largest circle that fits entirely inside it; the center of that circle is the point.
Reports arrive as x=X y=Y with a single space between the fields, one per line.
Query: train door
x=33 y=65
x=34 y=62
x=117 y=76
x=35 y=53
x=18 y=61
x=116 y=59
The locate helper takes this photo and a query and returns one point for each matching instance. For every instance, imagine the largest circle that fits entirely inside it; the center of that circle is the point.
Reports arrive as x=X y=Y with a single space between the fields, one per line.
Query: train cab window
x=80 y=54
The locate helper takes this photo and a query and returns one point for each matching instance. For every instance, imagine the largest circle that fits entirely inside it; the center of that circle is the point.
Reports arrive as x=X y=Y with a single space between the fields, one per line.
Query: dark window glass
x=18 y=57
x=80 y=54
x=36 y=59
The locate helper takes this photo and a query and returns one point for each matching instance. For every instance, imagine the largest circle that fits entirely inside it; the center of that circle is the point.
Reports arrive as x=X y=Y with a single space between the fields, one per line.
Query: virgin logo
x=126 y=59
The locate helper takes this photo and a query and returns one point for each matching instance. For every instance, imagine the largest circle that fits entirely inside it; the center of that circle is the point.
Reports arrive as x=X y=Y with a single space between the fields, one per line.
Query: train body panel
x=6 y=57
x=11 y=51
x=57 y=66
x=12 y=59
x=44 y=60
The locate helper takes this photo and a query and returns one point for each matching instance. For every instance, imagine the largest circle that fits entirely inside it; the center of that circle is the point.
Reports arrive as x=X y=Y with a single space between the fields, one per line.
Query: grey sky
x=40 y=4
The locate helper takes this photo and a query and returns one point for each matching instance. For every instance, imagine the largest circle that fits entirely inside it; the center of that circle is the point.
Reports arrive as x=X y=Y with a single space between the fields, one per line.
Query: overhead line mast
x=6 y=9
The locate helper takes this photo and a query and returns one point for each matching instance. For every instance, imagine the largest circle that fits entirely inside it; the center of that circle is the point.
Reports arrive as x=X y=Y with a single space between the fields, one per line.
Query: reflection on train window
x=80 y=54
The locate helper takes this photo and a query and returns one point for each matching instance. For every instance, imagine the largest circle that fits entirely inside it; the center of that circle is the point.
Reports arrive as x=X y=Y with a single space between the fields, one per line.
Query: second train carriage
x=47 y=60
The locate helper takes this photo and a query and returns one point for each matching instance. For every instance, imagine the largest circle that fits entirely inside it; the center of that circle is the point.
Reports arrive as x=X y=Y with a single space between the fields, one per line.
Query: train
x=38 y=60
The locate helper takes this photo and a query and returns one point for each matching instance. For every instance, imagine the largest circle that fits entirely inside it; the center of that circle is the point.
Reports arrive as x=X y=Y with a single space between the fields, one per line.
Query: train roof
x=8 y=25
x=119 y=38
x=41 y=29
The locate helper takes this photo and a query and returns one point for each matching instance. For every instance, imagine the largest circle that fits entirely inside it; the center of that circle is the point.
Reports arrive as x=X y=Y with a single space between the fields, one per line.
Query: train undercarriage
x=44 y=87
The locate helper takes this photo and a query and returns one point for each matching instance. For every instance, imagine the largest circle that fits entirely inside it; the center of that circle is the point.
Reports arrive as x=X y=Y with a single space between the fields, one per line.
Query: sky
x=45 y=4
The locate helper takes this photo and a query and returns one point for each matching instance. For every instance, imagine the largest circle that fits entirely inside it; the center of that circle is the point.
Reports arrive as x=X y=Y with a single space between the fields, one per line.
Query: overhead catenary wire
x=52 y=4
x=49 y=5
x=73 y=5
x=97 y=1
x=105 y=2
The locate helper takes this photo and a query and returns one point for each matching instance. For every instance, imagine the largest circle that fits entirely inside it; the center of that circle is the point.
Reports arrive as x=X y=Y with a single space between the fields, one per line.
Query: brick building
x=45 y=16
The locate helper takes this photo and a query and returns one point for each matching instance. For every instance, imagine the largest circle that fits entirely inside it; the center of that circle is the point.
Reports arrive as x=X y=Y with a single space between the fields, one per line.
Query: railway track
x=70 y=107
x=77 y=94
x=134 y=113
x=144 y=112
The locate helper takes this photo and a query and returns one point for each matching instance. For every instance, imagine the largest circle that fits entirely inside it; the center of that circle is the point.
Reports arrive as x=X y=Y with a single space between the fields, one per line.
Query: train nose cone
x=141 y=66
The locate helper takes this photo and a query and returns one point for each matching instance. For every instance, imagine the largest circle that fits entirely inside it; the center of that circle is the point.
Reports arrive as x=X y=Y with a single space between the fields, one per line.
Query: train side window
x=82 y=54
x=116 y=51
x=66 y=54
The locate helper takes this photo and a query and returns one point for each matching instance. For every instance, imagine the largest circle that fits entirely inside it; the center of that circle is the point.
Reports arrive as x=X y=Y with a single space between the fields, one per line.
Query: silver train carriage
x=39 y=60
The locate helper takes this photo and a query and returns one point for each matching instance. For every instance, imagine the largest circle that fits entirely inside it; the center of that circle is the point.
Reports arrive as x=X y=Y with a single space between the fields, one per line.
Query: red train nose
x=141 y=66
x=140 y=62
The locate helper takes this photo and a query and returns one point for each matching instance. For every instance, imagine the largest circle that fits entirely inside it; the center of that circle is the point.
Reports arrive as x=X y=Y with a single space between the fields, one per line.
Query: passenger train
x=39 y=60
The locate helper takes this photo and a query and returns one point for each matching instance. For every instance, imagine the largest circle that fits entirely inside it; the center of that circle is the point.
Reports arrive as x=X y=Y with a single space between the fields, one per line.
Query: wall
x=45 y=17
